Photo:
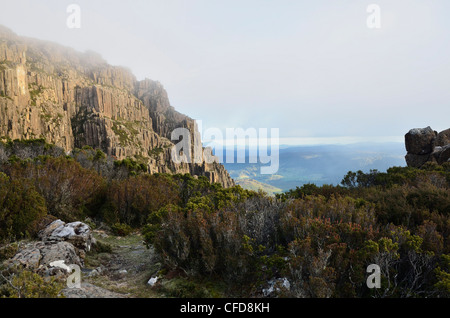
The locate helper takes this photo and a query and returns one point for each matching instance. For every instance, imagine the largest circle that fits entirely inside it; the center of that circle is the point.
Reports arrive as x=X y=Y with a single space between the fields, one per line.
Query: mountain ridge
x=73 y=99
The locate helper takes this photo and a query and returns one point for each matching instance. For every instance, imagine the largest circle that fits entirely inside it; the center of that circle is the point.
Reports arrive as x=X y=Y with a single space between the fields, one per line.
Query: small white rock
x=93 y=273
x=152 y=281
x=60 y=264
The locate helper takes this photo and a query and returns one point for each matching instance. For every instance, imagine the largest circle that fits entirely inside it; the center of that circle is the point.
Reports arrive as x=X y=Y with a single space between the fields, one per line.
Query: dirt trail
x=122 y=271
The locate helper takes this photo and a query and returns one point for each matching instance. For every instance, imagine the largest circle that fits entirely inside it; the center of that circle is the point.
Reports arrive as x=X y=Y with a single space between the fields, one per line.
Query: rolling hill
x=322 y=164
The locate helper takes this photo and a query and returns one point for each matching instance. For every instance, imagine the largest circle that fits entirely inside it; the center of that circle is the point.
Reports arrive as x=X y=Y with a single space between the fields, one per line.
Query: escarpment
x=74 y=99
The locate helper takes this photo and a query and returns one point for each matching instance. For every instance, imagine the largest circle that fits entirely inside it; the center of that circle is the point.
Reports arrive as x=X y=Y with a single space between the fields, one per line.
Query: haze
x=313 y=69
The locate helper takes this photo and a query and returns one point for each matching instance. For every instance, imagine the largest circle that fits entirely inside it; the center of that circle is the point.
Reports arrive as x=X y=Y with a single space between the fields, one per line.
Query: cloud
x=312 y=69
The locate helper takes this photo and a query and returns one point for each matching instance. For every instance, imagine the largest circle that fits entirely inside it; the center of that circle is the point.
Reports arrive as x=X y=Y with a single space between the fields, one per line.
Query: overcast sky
x=313 y=69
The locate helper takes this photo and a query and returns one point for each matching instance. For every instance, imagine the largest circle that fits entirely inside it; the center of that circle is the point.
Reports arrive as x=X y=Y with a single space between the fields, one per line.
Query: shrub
x=184 y=288
x=204 y=242
x=133 y=166
x=154 y=221
x=443 y=276
x=8 y=251
x=130 y=201
x=99 y=155
x=26 y=284
x=121 y=229
x=100 y=247
x=71 y=192
x=21 y=208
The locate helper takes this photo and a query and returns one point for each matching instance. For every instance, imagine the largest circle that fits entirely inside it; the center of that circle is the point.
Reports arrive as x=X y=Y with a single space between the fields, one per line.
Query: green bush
x=100 y=247
x=21 y=208
x=132 y=200
x=321 y=242
x=121 y=229
x=99 y=155
x=133 y=166
x=71 y=192
x=184 y=288
x=8 y=251
x=443 y=276
x=26 y=284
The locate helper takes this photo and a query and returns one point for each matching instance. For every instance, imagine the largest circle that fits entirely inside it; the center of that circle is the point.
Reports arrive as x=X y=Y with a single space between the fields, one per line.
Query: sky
x=312 y=69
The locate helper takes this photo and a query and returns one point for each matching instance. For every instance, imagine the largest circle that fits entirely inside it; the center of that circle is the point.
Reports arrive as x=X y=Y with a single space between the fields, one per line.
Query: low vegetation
x=213 y=241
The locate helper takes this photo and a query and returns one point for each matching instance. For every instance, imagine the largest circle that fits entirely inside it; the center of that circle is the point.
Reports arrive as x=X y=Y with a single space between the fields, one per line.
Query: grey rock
x=416 y=161
x=29 y=257
x=420 y=141
x=93 y=273
x=436 y=152
x=60 y=251
x=443 y=138
x=426 y=145
x=77 y=233
x=444 y=155
x=47 y=231
x=38 y=256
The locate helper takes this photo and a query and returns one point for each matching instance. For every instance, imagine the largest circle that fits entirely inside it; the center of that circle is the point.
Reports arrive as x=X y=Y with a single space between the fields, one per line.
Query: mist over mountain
x=93 y=178
x=75 y=100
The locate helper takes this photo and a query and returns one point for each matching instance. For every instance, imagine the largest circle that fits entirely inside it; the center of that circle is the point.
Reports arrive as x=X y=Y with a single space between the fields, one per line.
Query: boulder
x=444 y=154
x=61 y=251
x=436 y=152
x=426 y=145
x=416 y=161
x=39 y=255
x=48 y=230
x=60 y=243
x=29 y=257
x=443 y=138
x=77 y=233
x=420 y=141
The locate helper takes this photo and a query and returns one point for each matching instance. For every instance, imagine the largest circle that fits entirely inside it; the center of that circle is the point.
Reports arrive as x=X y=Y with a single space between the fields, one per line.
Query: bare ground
x=122 y=272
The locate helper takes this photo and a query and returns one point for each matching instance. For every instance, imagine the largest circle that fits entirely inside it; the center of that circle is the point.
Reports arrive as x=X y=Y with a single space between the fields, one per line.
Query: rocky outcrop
x=426 y=145
x=61 y=249
x=38 y=255
x=443 y=138
x=78 y=234
x=73 y=100
x=60 y=243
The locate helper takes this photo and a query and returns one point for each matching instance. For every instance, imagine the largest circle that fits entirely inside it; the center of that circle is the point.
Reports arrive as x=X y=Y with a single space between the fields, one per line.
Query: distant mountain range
x=322 y=164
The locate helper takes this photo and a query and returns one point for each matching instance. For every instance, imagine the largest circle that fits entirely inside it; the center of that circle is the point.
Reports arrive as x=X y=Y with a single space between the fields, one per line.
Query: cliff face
x=73 y=99
x=426 y=145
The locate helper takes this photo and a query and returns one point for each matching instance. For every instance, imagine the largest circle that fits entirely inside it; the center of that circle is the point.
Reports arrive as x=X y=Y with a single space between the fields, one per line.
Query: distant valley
x=321 y=164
